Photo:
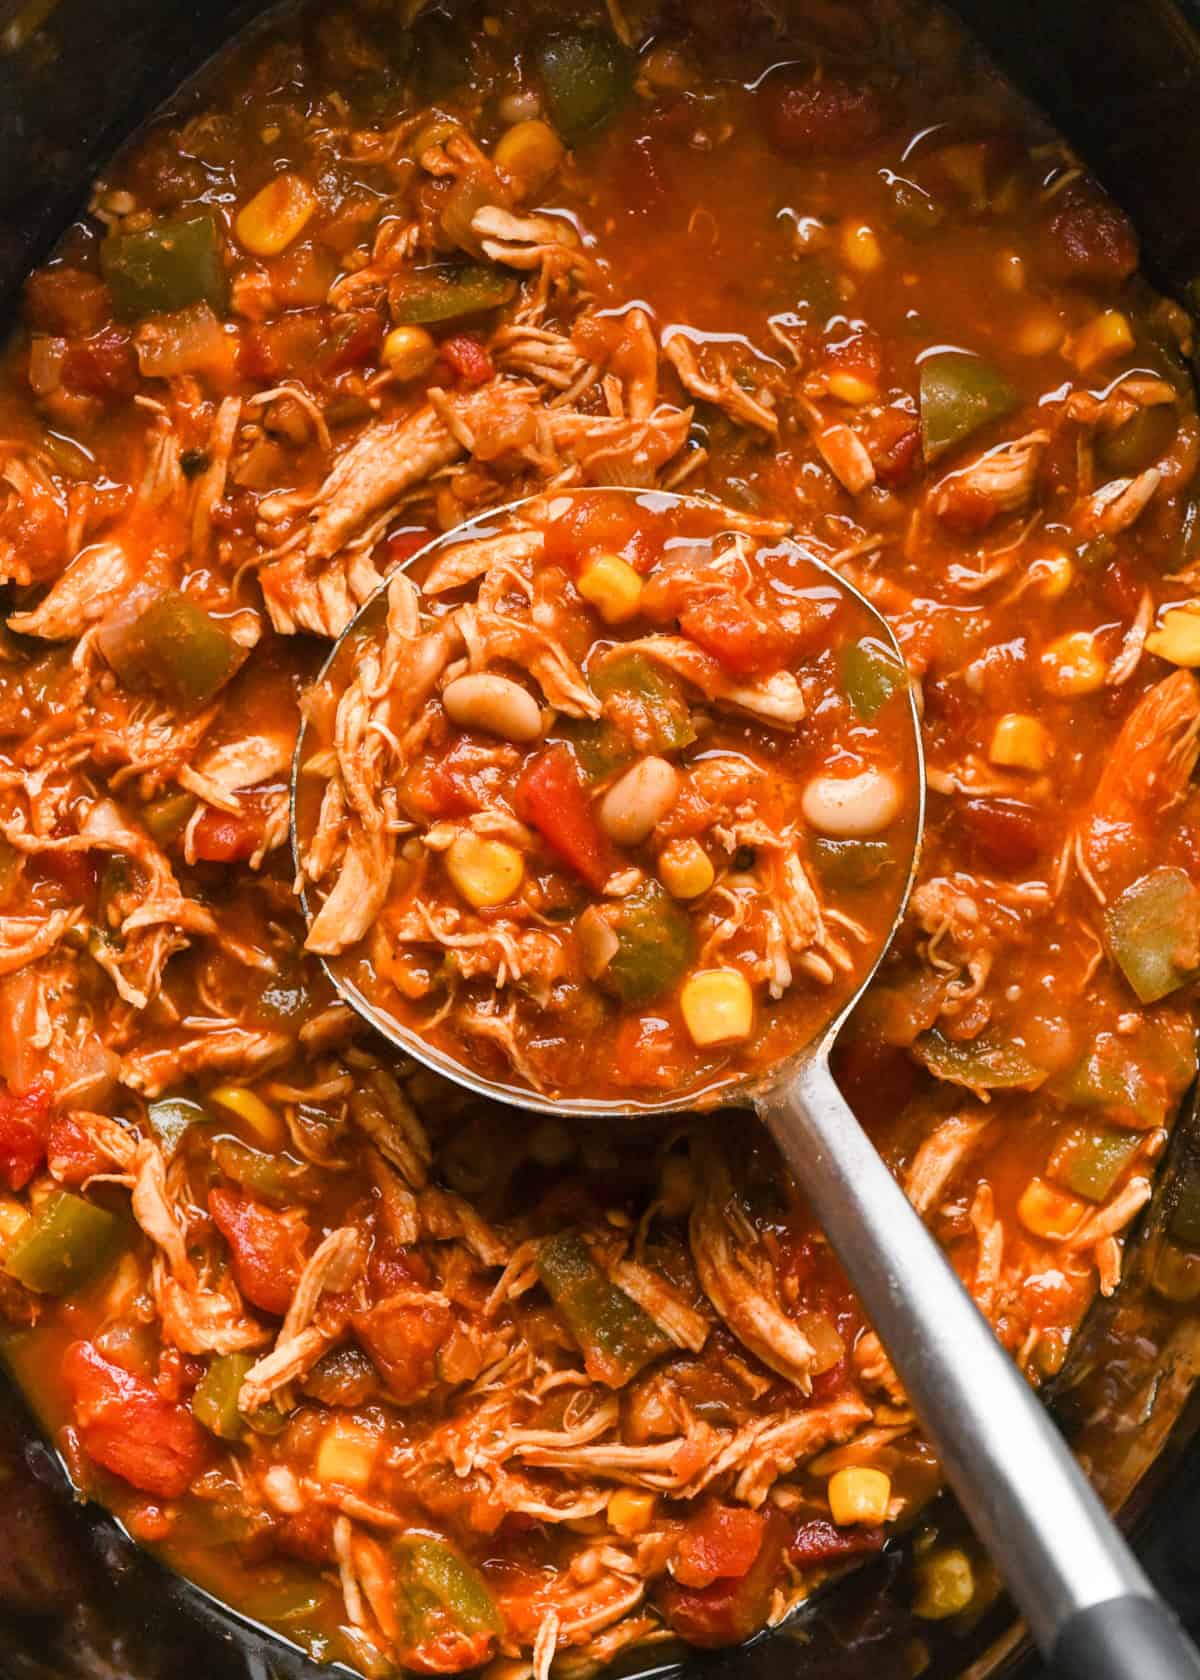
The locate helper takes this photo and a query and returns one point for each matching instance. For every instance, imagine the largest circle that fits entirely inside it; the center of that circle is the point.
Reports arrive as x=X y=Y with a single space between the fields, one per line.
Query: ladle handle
x=1088 y=1604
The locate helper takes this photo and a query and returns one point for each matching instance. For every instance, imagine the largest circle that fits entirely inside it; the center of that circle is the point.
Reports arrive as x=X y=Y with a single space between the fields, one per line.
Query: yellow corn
x=529 y=153
x=849 y=388
x=1073 y=665
x=612 y=586
x=1177 y=636
x=275 y=216
x=1054 y=574
x=409 y=352
x=1109 y=334
x=12 y=1217
x=946 y=1585
x=629 y=1512
x=485 y=872
x=346 y=1455
x=1019 y=742
x=859 y=1494
x=718 y=1006
x=1039 y=333
x=266 y=1125
x=684 y=869
x=1047 y=1211
x=860 y=248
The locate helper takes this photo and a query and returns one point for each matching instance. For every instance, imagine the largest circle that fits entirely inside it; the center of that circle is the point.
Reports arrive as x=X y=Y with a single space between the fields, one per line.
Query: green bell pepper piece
x=586 y=76
x=851 y=863
x=1143 y=439
x=214 y=1401
x=981 y=1064
x=171 y=1117
x=1153 y=933
x=616 y=1336
x=447 y=290
x=1134 y=1080
x=277 y=1179
x=654 y=946
x=68 y=1243
x=1089 y=1160
x=959 y=394
x=177 y=649
x=168 y=266
x=443 y=1606
x=646 y=712
x=870 y=676
x=166 y=817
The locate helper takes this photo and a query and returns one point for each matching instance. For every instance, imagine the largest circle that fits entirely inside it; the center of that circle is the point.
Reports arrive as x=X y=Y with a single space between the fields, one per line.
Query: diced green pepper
x=981 y=1064
x=1153 y=933
x=616 y=1336
x=1089 y=1160
x=447 y=290
x=646 y=711
x=586 y=76
x=277 y=1179
x=1134 y=1080
x=167 y=266
x=870 y=676
x=851 y=863
x=443 y=1606
x=1143 y=439
x=166 y=817
x=175 y=648
x=171 y=1117
x=654 y=945
x=67 y=1243
x=215 y=1397
x=959 y=394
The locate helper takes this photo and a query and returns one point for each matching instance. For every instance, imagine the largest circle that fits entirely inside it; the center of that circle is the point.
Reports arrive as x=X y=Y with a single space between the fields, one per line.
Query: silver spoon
x=1090 y=1608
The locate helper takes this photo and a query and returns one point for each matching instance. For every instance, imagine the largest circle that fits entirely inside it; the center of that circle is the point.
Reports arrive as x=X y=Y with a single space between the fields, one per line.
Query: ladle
x=1089 y=1606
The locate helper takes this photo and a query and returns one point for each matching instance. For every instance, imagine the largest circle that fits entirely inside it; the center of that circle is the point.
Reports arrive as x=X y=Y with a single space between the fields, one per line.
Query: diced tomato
x=70 y=1153
x=1090 y=239
x=733 y=1608
x=820 y=1541
x=393 y=1267
x=740 y=637
x=288 y=344
x=128 y=1428
x=403 y=1338
x=719 y=1542
x=806 y=116
x=76 y=872
x=465 y=356
x=263 y=1247
x=102 y=365
x=552 y=798
x=220 y=837
x=308 y=1535
x=402 y=545
x=1002 y=832
x=647 y=1053
x=859 y=353
x=67 y=302
x=893 y=441
x=24 y=1125
x=351 y=341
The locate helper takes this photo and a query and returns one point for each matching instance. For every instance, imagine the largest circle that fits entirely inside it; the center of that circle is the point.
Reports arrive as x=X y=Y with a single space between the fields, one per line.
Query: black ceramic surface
x=1121 y=78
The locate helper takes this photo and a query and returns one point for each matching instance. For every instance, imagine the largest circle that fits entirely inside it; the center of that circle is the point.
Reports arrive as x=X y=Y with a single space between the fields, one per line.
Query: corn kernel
x=860 y=248
x=1073 y=665
x=630 y=1512
x=529 y=153
x=612 y=586
x=409 y=352
x=1109 y=334
x=684 y=869
x=946 y=1585
x=346 y=1455
x=1049 y=1212
x=1177 y=636
x=12 y=1217
x=849 y=388
x=859 y=1494
x=275 y=216
x=1054 y=574
x=266 y=1125
x=1039 y=333
x=718 y=1006
x=485 y=872
x=1019 y=742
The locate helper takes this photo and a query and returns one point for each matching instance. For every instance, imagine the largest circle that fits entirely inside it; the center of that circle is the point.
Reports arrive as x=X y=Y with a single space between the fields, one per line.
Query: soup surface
x=621 y=804
x=426 y=1384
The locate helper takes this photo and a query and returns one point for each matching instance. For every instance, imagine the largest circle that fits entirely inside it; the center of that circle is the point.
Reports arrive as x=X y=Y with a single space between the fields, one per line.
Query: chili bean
x=851 y=806
x=640 y=799
x=497 y=705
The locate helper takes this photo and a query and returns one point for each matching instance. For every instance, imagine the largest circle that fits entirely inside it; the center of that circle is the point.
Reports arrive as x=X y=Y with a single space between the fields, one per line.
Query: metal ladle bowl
x=1088 y=1603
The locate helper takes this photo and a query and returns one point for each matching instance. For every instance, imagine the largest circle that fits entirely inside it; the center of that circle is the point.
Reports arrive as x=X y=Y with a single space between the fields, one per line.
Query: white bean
x=852 y=806
x=494 y=704
x=642 y=797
